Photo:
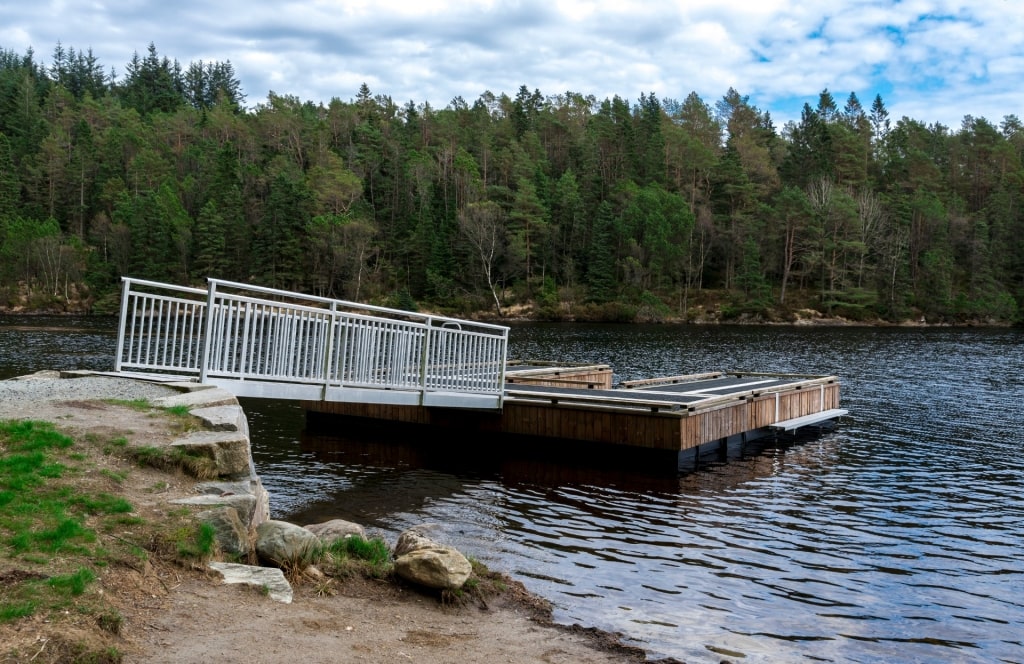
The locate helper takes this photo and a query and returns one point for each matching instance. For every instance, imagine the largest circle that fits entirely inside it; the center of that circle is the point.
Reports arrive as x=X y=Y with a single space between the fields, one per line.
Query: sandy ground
x=172 y=614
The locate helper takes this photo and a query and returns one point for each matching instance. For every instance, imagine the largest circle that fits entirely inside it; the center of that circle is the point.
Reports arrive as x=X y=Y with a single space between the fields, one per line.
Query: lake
x=896 y=537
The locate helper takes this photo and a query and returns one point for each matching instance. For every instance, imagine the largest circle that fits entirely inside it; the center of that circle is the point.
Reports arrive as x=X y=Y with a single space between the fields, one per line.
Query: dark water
x=897 y=537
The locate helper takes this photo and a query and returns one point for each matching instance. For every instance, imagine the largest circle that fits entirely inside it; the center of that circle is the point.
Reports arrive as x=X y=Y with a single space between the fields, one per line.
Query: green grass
x=374 y=551
x=141 y=405
x=174 y=458
x=72 y=584
x=356 y=555
x=118 y=476
x=197 y=542
x=44 y=519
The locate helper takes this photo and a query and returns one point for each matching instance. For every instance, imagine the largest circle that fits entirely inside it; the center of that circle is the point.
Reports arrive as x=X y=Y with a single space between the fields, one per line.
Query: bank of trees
x=600 y=207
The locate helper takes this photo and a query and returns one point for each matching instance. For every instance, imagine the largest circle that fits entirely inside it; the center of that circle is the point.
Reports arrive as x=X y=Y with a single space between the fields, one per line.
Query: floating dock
x=687 y=415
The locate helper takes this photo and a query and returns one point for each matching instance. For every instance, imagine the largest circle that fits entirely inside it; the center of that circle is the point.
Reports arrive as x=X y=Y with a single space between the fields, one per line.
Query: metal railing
x=266 y=342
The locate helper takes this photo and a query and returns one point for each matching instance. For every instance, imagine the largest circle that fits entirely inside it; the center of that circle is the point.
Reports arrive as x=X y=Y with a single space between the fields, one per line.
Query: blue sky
x=933 y=61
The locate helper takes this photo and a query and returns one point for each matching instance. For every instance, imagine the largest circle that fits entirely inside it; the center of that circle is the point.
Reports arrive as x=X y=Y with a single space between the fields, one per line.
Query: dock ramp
x=264 y=342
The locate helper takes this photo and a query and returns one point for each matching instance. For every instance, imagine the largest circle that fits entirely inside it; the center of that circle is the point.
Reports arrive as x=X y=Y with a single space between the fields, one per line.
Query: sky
x=930 y=60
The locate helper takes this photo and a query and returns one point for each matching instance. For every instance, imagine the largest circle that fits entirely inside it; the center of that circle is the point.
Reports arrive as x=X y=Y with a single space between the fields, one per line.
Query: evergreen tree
x=601 y=260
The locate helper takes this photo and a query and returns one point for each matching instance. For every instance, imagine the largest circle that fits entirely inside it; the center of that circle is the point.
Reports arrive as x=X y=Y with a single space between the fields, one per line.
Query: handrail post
x=204 y=361
x=125 y=293
x=427 y=337
x=329 y=349
x=501 y=369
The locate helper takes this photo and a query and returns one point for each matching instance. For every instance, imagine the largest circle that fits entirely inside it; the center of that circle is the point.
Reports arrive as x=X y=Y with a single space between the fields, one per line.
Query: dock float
x=682 y=415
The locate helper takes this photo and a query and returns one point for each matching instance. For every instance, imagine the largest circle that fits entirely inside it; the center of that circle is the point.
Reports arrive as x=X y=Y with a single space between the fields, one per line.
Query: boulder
x=197 y=399
x=285 y=544
x=336 y=529
x=265 y=578
x=228 y=449
x=414 y=538
x=231 y=534
x=258 y=513
x=222 y=418
x=439 y=567
x=245 y=504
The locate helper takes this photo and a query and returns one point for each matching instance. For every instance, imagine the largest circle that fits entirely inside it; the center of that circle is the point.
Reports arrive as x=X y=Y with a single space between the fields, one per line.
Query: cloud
x=933 y=60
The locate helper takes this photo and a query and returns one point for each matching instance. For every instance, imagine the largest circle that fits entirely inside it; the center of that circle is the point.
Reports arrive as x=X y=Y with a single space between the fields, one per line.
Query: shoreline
x=512 y=626
x=487 y=317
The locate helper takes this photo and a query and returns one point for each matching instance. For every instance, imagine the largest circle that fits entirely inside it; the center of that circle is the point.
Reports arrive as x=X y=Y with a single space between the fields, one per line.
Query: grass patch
x=140 y=405
x=173 y=458
x=481 y=585
x=196 y=542
x=60 y=531
x=73 y=584
x=118 y=476
x=355 y=555
x=184 y=421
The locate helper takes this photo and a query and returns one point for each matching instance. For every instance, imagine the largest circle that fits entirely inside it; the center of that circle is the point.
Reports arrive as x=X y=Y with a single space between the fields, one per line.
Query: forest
x=553 y=206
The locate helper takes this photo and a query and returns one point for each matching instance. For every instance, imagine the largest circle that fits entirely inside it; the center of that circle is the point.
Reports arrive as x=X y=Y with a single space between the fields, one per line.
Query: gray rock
x=278 y=588
x=283 y=543
x=414 y=538
x=244 y=504
x=259 y=512
x=198 y=399
x=222 y=418
x=439 y=567
x=229 y=451
x=232 y=536
x=336 y=529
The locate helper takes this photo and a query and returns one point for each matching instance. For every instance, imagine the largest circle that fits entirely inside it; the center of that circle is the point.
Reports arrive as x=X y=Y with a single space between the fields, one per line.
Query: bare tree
x=483 y=226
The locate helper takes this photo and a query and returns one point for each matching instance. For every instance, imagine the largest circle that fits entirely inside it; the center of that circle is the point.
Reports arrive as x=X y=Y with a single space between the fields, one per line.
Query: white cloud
x=968 y=55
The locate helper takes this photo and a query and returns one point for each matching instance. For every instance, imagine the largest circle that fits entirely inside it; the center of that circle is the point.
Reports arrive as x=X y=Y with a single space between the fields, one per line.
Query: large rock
x=417 y=537
x=228 y=449
x=245 y=504
x=260 y=510
x=222 y=418
x=197 y=399
x=285 y=544
x=231 y=534
x=336 y=529
x=439 y=567
x=264 y=578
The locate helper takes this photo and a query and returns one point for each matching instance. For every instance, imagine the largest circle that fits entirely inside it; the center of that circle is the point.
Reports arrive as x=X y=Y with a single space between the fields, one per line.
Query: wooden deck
x=673 y=414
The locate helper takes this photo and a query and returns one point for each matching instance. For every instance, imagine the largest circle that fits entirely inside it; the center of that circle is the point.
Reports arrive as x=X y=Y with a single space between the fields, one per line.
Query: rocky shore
x=176 y=614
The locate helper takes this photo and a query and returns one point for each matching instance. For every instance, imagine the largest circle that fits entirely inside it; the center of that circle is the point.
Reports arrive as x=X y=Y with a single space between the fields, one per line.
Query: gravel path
x=23 y=395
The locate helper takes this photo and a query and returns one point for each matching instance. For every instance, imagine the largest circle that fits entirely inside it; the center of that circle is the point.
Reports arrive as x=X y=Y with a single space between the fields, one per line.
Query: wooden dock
x=677 y=414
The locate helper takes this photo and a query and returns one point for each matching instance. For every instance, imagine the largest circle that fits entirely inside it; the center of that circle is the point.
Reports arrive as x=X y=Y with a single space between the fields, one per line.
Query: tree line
x=587 y=208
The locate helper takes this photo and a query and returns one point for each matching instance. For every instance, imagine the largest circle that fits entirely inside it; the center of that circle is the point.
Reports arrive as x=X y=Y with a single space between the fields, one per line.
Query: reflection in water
x=895 y=537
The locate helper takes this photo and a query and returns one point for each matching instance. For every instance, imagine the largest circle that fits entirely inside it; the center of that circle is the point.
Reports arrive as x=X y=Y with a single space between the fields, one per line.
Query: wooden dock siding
x=624 y=417
x=547 y=374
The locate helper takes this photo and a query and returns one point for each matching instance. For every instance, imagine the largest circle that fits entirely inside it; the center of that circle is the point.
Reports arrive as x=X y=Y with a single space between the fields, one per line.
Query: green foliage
x=174 y=458
x=197 y=541
x=374 y=550
x=72 y=584
x=163 y=176
x=356 y=555
x=14 y=610
x=45 y=521
x=141 y=405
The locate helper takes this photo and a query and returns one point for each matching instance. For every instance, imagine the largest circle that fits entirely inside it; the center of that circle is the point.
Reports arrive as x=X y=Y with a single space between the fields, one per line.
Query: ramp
x=264 y=342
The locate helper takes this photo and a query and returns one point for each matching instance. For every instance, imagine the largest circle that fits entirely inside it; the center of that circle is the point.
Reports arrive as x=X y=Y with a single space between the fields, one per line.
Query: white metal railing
x=235 y=334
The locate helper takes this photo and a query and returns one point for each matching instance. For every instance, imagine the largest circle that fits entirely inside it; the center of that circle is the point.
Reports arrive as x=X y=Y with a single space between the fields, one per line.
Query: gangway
x=264 y=342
